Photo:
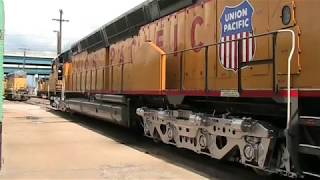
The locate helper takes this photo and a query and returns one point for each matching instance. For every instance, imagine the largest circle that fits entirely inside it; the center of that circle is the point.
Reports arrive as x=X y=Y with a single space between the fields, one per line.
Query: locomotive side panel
x=100 y=64
x=137 y=68
x=284 y=41
x=129 y=58
x=77 y=73
x=193 y=61
x=74 y=73
x=53 y=79
x=68 y=76
x=260 y=76
x=241 y=19
x=177 y=38
x=149 y=69
x=89 y=70
x=307 y=12
x=210 y=20
x=151 y=32
x=83 y=70
x=163 y=39
x=116 y=58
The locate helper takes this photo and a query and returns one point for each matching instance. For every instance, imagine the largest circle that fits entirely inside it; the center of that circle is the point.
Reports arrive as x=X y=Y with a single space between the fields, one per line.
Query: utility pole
x=24 y=56
x=58 y=42
x=60 y=20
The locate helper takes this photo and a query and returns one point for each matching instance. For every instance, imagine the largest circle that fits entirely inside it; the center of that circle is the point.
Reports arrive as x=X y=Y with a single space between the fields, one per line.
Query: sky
x=28 y=23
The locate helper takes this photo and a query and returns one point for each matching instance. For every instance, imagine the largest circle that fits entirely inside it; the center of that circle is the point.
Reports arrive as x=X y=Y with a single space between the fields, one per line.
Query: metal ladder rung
x=310 y=117
x=310 y=121
x=311 y=174
x=309 y=149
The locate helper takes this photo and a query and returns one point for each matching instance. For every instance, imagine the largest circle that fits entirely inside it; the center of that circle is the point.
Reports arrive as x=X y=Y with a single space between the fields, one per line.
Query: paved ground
x=41 y=144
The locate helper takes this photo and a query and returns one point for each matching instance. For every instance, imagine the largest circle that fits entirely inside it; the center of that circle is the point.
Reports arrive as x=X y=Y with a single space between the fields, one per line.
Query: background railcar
x=55 y=83
x=16 y=86
x=43 y=88
x=232 y=79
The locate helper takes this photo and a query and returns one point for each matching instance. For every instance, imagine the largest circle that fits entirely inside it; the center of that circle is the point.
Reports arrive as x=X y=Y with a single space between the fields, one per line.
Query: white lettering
x=225 y=28
x=246 y=23
x=234 y=26
x=233 y=16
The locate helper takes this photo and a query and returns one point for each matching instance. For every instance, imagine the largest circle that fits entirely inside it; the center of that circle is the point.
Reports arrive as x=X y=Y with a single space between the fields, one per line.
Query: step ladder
x=310 y=149
x=310 y=121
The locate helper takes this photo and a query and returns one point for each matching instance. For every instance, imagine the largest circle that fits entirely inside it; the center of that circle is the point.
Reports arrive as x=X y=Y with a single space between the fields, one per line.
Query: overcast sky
x=29 y=22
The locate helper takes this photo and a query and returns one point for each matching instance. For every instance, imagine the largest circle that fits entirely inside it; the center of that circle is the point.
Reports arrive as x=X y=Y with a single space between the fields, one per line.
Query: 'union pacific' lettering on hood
x=237 y=19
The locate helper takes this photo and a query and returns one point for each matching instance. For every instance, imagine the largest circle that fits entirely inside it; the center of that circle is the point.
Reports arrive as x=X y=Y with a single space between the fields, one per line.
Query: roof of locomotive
x=63 y=57
x=128 y=24
x=18 y=73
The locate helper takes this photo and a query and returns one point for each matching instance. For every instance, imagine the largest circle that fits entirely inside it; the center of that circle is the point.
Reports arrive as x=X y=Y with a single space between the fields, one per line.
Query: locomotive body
x=55 y=84
x=16 y=86
x=232 y=79
x=43 y=88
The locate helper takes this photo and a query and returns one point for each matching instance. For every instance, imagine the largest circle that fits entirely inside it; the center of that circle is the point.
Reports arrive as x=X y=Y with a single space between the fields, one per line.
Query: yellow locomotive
x=16 y=86
x=232 y=79
x=43 y=88
x=55 y=83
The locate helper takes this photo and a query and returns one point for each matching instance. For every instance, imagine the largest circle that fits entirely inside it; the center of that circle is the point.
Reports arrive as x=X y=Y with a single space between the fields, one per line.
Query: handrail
x=240 y=64
x=293 y=36
x=190 y=49
x=219 y=43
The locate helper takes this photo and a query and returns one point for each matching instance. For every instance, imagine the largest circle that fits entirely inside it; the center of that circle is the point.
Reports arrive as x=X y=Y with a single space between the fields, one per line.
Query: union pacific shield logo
x=236 y=23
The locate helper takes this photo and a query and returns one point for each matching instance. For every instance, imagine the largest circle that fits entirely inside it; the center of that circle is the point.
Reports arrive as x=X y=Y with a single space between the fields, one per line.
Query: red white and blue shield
x=236 y=24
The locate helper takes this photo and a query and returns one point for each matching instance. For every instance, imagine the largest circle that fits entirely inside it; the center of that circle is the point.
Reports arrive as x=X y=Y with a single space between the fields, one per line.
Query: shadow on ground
x=200 y=164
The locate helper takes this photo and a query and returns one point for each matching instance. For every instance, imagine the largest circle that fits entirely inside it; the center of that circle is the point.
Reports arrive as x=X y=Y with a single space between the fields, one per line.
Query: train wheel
x=156 y=137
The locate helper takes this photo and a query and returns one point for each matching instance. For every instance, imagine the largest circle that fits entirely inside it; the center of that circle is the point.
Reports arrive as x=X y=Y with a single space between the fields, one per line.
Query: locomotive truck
x=236 y=80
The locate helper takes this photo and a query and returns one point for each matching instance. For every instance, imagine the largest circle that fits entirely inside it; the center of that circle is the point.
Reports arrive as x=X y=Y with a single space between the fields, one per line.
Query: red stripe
x=309 y=94
x=245 y=93
x=247 y=45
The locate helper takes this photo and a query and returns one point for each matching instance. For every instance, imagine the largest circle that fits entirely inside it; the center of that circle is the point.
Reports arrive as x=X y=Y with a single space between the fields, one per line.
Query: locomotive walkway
x=42 y=144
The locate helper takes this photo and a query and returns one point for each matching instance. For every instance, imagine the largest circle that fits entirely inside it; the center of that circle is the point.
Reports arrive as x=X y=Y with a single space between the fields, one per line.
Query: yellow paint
x=138 y=63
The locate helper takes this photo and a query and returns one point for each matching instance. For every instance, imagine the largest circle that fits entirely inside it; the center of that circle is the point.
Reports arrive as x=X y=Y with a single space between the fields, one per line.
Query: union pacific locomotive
x=43 y=88
x=232 y=79
x=16 y=86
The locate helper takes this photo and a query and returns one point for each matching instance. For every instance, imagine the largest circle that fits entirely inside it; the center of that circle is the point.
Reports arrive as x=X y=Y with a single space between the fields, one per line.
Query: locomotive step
x=311 y=174
x=310 y=121
x=309 y=149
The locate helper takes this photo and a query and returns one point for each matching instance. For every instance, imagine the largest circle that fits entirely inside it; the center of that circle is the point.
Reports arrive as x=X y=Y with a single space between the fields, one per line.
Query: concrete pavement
x=41 y=145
